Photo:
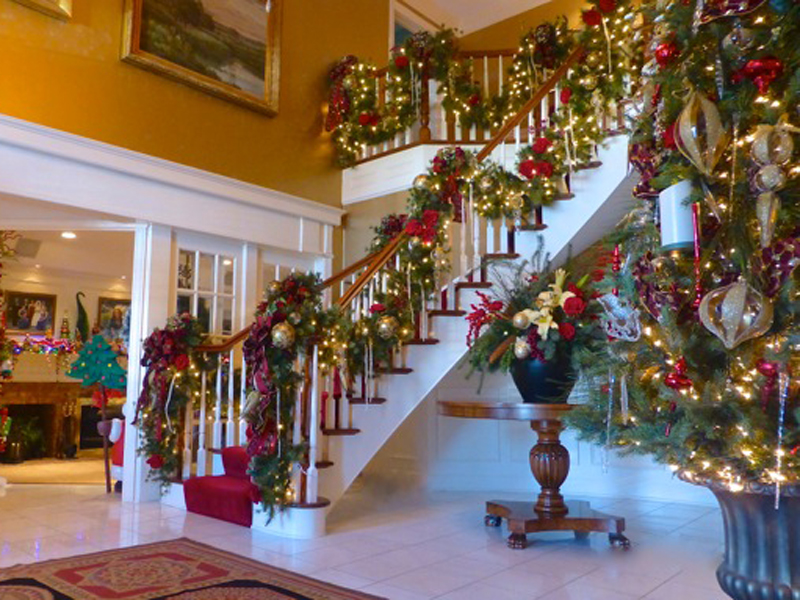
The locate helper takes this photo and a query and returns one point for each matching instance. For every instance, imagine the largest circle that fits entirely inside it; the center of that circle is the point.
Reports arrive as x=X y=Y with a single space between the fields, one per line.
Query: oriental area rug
x=176 y=570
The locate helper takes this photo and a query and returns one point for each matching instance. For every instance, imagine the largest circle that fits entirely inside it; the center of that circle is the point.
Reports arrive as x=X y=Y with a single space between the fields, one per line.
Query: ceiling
x=471 y=15
x=107 y=254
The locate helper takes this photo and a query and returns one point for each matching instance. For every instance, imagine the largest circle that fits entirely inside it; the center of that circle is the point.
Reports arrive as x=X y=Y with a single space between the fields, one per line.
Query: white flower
x=544 y=323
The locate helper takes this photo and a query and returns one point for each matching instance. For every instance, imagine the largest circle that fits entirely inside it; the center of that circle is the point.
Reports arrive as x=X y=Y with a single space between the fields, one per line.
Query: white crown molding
x=46 y=164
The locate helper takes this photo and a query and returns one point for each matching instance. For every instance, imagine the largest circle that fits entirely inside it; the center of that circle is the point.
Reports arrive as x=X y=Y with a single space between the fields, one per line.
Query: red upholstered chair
x=228 y=497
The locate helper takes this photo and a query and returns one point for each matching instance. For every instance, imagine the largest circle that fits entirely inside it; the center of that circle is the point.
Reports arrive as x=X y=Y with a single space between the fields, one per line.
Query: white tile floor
x=402 y=548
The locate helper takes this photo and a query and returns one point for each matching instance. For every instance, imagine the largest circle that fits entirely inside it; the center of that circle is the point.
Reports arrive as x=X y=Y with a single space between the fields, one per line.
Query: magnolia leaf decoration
x=700 y=135
x=736 y=313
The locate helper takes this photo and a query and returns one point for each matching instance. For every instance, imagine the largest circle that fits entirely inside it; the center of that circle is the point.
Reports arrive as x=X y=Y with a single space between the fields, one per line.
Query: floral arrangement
x=288 y=323
x=173 y=372
x=539 y=314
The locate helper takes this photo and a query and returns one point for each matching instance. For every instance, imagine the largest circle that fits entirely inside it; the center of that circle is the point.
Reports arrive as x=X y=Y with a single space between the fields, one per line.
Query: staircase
x=345 y=434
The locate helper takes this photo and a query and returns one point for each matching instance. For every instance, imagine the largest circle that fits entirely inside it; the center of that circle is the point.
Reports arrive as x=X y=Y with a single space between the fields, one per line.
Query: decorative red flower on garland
x=474 y=100
x=484 y=313
x=541 y=145
x=592 y=17
x=607 y=6
x=566 y=330
x=425 y=228
x=156 y=461
x=535 y=168
x=565 y=95
x=574 y=306
x=401 y=61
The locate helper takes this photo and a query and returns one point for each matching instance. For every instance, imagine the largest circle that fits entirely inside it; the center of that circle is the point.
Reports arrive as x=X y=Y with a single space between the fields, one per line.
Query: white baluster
x=201 y=427
x=230 y=424
x=216 y=429
x=503 y=233
x=490 y=237
x=312 y=476
x=517 y=134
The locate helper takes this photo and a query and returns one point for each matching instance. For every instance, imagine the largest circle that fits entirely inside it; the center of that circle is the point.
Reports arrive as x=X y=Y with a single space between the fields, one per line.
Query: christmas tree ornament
x=770 y=177
x=486 y=184
x=767 y=207
x=521 y=320
x=283 y=335
x=773 y=143
x=593 y=59
x=718 y=9
x=701 y=138
x=274 y=288
x=739 y=40
x=421 y=182
x=676 y=216
x=387 y=327
x=294 y=318
x=761 y=71
x=678 y=379
x=589 y=81
x=522 y=349
x=666 y=53
x=736 y=313
x=621 y=321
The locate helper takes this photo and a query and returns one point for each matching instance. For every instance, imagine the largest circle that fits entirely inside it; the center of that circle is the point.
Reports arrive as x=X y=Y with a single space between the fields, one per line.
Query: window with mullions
x=206 y=289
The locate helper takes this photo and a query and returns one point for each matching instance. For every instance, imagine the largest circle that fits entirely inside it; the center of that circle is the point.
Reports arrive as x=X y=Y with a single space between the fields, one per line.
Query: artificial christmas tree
x=710 y=386
x=97 y=365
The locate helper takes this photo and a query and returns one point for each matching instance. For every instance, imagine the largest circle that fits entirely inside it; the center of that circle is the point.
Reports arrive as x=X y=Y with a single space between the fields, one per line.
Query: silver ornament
x=387 y=327
x=621 y=321
x=283 y=335
x=521 y=349
x=521 y=320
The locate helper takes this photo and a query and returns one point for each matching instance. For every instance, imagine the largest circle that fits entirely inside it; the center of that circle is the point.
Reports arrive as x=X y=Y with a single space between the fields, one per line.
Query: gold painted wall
x=506 y=34
x=69 y=76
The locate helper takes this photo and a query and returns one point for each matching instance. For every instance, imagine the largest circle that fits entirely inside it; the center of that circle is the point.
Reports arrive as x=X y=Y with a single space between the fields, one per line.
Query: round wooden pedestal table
x=550 y=467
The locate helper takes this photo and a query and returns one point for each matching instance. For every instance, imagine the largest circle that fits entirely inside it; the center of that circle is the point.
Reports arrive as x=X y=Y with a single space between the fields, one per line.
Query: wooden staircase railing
x=485 y=240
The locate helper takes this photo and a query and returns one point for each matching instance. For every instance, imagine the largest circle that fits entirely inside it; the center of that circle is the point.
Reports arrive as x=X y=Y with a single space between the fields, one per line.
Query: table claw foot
x=492 y=521
x=517 y=541
x=618 y=540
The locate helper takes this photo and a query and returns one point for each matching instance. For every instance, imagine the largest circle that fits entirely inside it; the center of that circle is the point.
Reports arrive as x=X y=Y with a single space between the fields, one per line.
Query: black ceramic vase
x=543 y=382
x=762 y=543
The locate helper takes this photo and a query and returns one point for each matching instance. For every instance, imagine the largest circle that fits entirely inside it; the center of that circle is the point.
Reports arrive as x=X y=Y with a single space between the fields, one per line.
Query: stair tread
x=421 y=342
x=446 y=313
x=320 y=503
x=535 y=227
x=569 y=196
x=324 y=464
x=590 y=165
x=361 y=401
x=395 y=371
x=473 y=285
x=501 y=256
x=341 y=431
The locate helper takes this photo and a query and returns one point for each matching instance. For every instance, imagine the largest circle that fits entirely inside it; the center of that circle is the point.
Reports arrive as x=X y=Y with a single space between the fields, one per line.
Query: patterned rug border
x=14 y=571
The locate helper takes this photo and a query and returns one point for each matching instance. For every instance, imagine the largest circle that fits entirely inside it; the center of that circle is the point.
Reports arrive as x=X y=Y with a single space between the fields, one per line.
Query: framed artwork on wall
x=113 y=318
x=228 y=48
x=60 y=9
x=29 y=313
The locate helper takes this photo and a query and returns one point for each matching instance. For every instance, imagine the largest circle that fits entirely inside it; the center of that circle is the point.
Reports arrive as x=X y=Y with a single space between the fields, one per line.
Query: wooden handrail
x=380 y=261
x=537 y=97
x=227 y=345
x=333 y=279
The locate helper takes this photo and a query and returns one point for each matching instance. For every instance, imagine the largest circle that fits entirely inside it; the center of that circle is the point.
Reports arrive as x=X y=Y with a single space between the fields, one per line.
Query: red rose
x=541 y=145
x=156 y=461
x=574 y=289
x=364 y=119
x=565 y=95
x=527 y=168
x=414 y=228
x=401 y=61
x=567 y=331
x=181 y=362
x=430 y=217
x=374 y=119
x=574 y=306
x=474 y=100
x=377 y=307
x=607 y=6
x=545 y=169
x=592 y=17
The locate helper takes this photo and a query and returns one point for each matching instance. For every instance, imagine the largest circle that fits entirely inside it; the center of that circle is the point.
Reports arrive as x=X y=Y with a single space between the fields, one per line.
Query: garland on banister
x=277 y=352
x=358 y=117
x=172 y=382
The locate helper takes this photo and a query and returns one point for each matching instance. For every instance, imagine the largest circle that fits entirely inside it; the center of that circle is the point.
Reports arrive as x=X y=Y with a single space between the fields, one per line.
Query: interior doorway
x=68 y=280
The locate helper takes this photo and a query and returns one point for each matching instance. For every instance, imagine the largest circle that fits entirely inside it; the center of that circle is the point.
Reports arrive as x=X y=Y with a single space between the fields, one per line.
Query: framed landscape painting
x=29 y=313
x=228 y=48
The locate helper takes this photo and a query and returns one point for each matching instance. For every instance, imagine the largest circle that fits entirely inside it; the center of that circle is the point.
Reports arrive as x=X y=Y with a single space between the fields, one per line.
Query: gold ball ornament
x=387 y=327
x=770 y=177
x=283 y=335
x=521 y=320
x=274 y=287
x=521 y=349
x=421 y=182
x=593 y=59
x=736 y=313
x=515 y=202
x=486 y=184
x=589 y=82
x=294 y=318
x=772 y=144
x=700 y=135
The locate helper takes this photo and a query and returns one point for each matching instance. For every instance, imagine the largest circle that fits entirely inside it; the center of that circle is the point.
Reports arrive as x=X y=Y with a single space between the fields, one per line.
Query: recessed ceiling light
x=68 y=235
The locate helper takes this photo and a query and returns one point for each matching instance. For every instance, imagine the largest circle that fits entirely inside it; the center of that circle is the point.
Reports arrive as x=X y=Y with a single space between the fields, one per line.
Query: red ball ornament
x=766 y=368
x=474 y=100
x=565 y=95
x=607 y=6
x=668 y=137
x=592 y=18
x=665 y=53
x=401 y=61
x=364 y=119
x=677 y=379
x=763 y=71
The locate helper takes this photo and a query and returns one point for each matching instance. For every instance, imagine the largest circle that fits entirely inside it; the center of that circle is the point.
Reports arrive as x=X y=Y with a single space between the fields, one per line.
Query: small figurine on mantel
x=97 y=365
x=64 y=334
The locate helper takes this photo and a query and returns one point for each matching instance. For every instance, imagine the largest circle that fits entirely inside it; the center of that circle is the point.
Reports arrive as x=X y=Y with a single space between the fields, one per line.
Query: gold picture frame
x=60 y=9
x=142 y=46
